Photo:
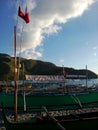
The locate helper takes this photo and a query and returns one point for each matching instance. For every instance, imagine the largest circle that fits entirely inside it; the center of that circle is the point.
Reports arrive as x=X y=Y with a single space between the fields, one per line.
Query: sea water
x=85 y=82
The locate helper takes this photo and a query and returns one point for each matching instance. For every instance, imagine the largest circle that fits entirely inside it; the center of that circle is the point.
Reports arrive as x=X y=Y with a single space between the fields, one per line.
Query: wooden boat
x=84 y=121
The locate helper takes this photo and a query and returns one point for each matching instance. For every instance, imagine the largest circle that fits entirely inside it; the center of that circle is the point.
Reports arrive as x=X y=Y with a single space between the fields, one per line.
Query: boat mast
x=15 y=77
x=26 y=18
x=86 y=77
x=24 y=98
x=64 y=74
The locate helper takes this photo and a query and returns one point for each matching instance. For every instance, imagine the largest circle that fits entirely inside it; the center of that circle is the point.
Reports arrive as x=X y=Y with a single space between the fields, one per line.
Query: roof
x=45 y=78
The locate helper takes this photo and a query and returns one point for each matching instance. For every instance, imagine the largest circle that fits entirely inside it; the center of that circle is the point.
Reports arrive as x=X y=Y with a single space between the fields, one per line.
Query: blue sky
x=64 y=32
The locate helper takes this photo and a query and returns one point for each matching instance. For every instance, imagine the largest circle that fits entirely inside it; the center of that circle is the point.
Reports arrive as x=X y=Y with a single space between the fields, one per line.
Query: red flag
x=20 y=13
x=27 y=16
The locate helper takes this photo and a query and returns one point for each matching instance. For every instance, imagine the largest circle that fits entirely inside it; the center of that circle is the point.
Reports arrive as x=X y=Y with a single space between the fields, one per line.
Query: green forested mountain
x=35 y=67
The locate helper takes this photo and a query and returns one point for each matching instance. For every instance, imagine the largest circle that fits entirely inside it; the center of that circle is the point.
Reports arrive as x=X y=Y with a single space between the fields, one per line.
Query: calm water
x=89 y=82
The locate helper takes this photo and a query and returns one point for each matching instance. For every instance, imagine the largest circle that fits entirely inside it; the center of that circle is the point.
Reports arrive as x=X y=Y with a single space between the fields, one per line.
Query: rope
x=76 y=100
x=21 y=41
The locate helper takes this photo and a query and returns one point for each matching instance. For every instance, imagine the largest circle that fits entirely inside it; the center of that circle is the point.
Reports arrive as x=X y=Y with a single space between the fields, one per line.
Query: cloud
x=62 y=60
x=46 y=18
x=31 y=54
x=95 y=54
x=95 y=47
x=95 y=51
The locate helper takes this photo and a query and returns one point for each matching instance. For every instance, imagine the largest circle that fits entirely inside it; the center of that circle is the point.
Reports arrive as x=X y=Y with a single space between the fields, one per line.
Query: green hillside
x=35 y=67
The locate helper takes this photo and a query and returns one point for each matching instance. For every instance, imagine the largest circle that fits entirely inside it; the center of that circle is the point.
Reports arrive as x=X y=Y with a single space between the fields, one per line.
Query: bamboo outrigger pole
x=53 y=119
x=15 y=77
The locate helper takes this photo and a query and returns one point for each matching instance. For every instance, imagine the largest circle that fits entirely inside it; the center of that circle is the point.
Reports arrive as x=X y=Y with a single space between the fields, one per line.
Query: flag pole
x=27 y=20
x=15 y=77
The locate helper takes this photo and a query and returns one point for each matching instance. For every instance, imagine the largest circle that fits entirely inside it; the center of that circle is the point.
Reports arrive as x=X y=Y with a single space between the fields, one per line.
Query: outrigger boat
x=84 y=121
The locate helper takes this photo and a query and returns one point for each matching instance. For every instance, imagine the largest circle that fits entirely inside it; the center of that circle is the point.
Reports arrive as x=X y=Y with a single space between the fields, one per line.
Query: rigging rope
x=21 y=41
x=76 y=99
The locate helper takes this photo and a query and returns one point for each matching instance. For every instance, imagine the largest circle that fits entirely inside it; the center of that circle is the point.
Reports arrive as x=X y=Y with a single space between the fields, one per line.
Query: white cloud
x=45 y=18
x=31 y=54
x=95 y=51
x=62 y=60
x=95 y=54
x=95 y=47
x=51 y=29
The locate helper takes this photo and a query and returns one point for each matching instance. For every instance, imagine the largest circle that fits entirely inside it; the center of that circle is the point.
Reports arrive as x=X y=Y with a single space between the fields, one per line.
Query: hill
x=35 y=67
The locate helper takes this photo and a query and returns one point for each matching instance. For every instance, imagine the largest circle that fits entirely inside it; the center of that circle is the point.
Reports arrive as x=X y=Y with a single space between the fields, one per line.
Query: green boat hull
x=65 y=101
x=84 y=122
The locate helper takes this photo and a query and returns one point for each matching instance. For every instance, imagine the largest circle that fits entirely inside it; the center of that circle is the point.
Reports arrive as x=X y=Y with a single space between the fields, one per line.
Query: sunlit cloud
x=95 y=54
x=95 y=47
x=95 y=50
x=62 y=61
x=31 y=54
x=46 y=17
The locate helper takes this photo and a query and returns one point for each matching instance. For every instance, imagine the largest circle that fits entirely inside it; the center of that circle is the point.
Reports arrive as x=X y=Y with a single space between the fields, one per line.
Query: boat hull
x=32 y=101
x=88 y=121
x=47 y=125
